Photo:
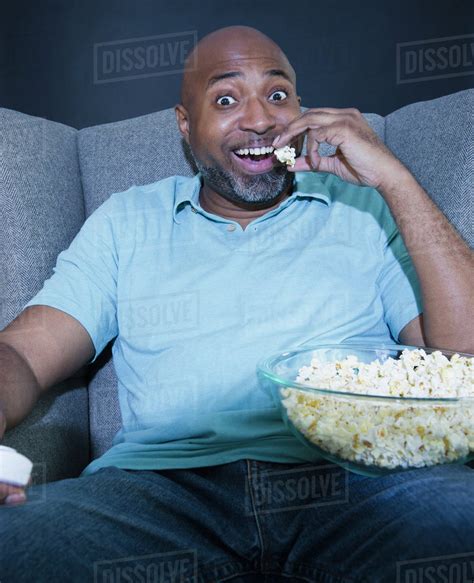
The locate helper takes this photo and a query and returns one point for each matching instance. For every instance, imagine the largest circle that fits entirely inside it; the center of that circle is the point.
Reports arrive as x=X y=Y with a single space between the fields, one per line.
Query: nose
x=257 y=117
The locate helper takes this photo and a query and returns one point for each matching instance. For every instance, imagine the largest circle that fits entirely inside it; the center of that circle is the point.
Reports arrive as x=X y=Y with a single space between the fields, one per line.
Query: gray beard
x=253 y=189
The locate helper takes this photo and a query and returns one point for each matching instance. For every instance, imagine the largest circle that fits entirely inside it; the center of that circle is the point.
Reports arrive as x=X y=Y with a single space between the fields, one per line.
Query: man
x=263 y=258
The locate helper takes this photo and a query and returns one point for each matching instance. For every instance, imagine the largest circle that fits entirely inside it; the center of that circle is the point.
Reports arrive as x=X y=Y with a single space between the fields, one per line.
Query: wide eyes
x=226 y=99
x=278 y=95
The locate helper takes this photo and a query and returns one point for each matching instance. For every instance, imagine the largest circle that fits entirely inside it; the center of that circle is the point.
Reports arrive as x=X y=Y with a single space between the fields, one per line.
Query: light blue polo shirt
x=194 y=302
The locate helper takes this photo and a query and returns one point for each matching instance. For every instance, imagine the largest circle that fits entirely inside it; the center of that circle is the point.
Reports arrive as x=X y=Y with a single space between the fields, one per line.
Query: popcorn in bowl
x=286 y=155
x=428 y=419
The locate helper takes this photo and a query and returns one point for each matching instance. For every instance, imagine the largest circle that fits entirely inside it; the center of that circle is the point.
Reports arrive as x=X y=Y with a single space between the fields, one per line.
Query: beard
x=253 y=189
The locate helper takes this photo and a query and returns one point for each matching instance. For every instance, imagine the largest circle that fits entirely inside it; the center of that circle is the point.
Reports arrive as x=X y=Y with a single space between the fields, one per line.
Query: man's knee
x=23 y=539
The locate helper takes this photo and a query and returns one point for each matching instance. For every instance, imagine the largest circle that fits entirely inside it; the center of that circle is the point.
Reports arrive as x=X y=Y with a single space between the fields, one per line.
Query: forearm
x=443 y=261
x=19 y=389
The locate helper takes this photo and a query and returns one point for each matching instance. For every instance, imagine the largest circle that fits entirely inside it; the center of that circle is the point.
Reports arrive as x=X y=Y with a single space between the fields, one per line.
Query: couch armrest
x=41 y=210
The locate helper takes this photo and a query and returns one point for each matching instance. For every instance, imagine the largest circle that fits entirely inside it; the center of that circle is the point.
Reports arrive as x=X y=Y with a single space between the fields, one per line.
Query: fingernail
x=275 y=141
x=14 y=498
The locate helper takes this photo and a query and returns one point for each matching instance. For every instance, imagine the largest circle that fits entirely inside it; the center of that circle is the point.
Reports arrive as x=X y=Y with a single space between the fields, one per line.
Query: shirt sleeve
x=398 y=281
x=84 y=280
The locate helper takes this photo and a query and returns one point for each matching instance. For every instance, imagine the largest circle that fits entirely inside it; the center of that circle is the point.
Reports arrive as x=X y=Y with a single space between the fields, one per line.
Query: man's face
x=242 y=102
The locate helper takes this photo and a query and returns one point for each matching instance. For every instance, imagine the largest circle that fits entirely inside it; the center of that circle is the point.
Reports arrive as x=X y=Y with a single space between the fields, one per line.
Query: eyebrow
x=231 y=74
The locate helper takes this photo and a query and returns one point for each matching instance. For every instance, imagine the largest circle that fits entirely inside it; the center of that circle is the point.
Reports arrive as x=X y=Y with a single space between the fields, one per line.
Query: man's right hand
x=10 y=495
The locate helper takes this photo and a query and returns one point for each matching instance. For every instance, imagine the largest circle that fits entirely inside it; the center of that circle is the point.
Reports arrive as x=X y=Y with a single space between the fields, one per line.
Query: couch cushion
x=140 y=150
x=41 y=209
x=434 y=139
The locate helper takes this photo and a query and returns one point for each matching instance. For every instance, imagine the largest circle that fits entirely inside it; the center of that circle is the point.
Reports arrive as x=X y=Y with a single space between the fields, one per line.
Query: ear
x=182 y=119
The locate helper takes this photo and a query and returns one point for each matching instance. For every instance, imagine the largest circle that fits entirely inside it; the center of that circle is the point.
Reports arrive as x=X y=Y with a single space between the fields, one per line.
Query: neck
x=243 y=213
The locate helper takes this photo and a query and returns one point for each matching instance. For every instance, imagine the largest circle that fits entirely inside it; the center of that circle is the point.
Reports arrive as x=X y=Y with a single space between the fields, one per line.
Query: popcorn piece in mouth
x=286 y=155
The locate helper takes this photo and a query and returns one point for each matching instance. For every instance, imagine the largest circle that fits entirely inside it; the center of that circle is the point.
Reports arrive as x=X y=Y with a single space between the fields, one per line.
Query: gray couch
x=52 y=177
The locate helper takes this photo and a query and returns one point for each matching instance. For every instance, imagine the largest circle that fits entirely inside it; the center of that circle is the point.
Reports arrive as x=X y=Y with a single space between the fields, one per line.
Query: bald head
x=222 y=47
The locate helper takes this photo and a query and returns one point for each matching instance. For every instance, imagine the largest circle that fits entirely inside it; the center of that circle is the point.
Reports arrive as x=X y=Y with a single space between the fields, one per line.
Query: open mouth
x=256 y=160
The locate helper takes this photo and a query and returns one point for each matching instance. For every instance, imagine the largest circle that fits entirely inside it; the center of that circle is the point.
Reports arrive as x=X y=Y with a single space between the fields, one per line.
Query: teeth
x=255 y=151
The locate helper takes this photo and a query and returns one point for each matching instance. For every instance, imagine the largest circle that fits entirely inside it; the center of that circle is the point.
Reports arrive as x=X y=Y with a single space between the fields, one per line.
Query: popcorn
x=286 y=155
x=388 y=433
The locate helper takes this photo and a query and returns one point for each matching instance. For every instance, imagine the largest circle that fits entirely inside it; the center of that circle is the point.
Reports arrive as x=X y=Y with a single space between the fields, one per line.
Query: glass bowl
x=369 y=434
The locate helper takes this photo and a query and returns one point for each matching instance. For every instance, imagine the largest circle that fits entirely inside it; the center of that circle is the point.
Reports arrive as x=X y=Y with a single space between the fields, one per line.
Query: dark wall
x=52 y=61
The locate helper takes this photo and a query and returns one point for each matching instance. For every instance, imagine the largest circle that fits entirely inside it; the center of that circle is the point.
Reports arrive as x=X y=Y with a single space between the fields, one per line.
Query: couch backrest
x=434 y=139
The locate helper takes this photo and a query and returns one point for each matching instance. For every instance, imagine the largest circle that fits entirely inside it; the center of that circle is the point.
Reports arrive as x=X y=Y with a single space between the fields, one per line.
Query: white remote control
x=15 y=469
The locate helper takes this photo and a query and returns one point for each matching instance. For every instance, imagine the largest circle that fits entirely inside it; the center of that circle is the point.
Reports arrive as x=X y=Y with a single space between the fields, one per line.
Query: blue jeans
x=246 y=521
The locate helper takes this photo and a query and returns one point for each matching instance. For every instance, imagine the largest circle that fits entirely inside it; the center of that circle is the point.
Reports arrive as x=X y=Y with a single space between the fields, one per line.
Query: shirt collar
x=188 y=192
x=305 y=185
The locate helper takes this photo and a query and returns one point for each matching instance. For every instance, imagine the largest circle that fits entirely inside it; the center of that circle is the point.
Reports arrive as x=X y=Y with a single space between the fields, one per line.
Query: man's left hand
x=361 y=157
